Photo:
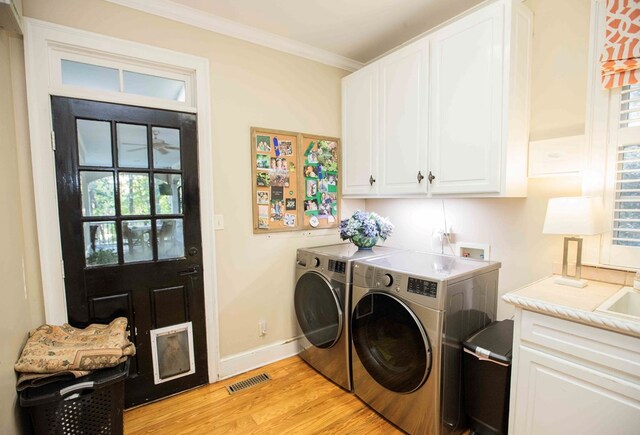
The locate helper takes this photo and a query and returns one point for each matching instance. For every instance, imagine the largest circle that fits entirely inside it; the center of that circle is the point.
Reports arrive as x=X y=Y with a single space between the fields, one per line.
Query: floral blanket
x=60 y=352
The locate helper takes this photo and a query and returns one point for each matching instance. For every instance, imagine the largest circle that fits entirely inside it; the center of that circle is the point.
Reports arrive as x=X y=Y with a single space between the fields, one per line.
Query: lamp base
x=580 y=283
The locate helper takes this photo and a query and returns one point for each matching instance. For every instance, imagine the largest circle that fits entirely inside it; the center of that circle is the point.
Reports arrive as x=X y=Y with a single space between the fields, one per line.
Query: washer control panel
x=331 y=268
x=422 y=287
x=337 y=266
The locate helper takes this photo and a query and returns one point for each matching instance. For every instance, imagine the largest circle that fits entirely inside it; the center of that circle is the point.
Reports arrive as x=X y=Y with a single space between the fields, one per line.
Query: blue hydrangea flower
x=368 y=224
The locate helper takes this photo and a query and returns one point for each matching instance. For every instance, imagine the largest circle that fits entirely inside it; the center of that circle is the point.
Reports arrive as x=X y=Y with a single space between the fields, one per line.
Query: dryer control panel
x=422 y=287
x=426 y=292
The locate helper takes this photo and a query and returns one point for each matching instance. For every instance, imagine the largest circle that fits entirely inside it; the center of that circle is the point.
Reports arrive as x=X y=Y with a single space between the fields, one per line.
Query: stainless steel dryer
x=410 y=313
x=323 y=303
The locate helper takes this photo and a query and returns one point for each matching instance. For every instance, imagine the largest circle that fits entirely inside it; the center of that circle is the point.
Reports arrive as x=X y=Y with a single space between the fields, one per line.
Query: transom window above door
x=77 y=72
x=130 y=178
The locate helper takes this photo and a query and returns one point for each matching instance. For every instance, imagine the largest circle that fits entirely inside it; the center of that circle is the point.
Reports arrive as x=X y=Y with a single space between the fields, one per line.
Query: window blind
x=630 y=106
x=626 y=221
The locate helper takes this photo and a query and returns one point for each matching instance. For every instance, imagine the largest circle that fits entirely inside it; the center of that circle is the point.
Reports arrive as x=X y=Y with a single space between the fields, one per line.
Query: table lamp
x=574 y=217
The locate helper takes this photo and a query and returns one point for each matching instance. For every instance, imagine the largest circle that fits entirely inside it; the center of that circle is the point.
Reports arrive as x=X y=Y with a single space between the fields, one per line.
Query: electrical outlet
x=262 y=328
x=440 y=233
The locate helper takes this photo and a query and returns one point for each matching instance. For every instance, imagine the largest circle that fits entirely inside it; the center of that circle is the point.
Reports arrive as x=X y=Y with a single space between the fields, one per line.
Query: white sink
x=625 y=303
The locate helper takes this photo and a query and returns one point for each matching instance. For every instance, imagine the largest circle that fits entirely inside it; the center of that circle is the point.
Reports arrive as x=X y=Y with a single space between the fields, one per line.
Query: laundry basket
x=92 y=404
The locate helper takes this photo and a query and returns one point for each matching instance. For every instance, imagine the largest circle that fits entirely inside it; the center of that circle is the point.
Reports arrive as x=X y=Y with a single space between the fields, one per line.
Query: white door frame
x=42 y=40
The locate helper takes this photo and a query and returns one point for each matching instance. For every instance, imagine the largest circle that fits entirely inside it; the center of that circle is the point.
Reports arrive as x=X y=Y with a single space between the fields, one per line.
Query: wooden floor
x=296 y=400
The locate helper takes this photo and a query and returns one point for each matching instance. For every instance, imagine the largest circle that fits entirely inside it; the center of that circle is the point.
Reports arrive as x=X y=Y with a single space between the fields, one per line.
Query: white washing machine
x=322 y=303
x=411 y=312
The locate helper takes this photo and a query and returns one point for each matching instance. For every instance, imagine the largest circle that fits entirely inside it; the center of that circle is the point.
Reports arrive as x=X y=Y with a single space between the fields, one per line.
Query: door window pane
x=153 y=86
x=98 y=195
x=170 y=238
x=100 y=243
x=94 y=142
x=136 y=241
x=90 y=76
x=132 y=146
x=168 y=193
x=134 y=194
x=166 y=148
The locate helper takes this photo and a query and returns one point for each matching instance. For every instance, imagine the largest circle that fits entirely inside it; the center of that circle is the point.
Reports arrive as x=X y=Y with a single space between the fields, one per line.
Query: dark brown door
x=130 y=224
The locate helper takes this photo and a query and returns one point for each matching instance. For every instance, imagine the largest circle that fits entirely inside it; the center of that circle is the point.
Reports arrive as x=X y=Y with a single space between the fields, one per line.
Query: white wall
x=513 y=227
x=560 y=57
x=21 y=307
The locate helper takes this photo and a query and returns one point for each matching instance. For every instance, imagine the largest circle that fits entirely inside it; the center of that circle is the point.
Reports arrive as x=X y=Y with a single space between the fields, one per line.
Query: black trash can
x=92 y=404
x=487 y=378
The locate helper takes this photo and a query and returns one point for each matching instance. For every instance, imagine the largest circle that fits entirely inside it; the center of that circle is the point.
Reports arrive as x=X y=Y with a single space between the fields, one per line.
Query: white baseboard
x=243 y=362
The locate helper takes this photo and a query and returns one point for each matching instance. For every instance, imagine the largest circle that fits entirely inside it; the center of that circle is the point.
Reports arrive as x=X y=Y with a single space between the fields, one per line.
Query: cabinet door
x=557 y=396
x=466 y=97
x=359 y=125
x=403 y=120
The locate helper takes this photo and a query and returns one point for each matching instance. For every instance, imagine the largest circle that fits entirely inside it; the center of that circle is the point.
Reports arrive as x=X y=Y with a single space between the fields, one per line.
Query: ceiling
x=356 y=29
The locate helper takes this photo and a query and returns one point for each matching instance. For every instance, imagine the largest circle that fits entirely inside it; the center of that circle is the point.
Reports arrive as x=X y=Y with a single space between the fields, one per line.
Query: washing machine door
x=391 y=343
x=318 y=310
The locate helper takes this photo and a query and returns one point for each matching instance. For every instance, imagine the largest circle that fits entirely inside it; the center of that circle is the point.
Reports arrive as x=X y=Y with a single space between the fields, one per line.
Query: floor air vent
x=248 y=383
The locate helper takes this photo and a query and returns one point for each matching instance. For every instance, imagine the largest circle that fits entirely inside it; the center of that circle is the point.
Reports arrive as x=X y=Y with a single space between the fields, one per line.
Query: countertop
x=576 y=304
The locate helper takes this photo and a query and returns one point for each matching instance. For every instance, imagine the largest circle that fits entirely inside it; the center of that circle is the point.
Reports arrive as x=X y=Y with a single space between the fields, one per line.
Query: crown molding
x=194 y=17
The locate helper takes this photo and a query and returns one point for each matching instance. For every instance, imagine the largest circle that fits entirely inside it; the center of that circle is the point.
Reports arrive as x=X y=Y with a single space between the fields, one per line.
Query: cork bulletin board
x=295 y=179
x=320 y=183
x=275 y=180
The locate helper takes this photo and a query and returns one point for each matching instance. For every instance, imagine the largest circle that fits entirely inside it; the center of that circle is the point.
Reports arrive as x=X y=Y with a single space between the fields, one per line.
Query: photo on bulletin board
x=274 y=179
x=319 y=161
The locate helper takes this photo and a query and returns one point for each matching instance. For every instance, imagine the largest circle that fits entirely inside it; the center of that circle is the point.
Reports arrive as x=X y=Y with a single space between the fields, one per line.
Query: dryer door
x=391 y=343
x=318 y=310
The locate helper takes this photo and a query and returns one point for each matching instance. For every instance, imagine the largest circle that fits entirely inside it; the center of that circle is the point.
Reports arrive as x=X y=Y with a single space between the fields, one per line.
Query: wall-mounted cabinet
x=359 y=128
x=446 y=114
x=403 y=109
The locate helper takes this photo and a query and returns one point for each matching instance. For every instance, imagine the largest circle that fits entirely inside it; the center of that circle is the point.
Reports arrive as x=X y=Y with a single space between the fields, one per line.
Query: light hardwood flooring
x=296 y=401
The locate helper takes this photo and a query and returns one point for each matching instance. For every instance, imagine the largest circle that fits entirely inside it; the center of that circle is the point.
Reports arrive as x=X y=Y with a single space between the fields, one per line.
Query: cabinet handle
x=371 y=180
x=431 y=177
x=420 y=177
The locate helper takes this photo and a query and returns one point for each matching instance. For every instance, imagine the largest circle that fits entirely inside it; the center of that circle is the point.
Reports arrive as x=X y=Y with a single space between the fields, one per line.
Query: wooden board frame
x=269 y=216
x=276 y=213
x=333 y=191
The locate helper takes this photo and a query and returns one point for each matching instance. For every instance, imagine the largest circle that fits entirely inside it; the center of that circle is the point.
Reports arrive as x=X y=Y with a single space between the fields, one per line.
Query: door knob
x=193 y=251
x=371 y=180
x=420 y=177
x=431 y=177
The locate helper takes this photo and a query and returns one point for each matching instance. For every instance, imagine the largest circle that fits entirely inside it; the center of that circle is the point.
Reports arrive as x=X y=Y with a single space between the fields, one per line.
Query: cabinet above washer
x=446 y=114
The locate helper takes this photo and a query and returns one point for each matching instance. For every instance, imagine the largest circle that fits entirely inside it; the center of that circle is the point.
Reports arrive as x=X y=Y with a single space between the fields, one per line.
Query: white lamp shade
x=579 y=215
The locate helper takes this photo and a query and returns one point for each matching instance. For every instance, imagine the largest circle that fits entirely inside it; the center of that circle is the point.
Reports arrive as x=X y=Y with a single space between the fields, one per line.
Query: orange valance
x=620 y=58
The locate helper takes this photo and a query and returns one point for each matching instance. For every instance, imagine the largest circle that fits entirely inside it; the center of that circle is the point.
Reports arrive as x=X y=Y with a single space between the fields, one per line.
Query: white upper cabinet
x=359 y=130
x=402 y=126
x=479 y=129
x=452 y=108
x=466 y=103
